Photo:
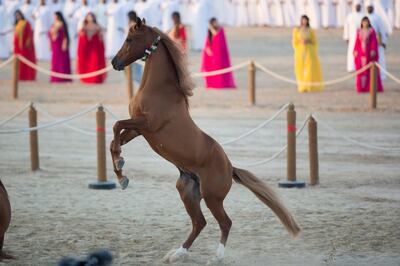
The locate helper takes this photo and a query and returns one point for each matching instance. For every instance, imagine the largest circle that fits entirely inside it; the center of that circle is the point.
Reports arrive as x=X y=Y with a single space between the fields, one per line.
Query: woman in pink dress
x=59 y=43
x=366 y=51
x=215 y=56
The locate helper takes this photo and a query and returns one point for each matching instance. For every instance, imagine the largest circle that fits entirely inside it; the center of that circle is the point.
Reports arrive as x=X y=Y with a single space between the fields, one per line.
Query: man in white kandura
x=202 y=13
x=27 y=9
x=115 y=28
x=43 y=20
x=168 y=7
x=381 y=32
x=351 y=25
x=69 y=10
x=328 y=18
x=4 y=47
x=100 y=12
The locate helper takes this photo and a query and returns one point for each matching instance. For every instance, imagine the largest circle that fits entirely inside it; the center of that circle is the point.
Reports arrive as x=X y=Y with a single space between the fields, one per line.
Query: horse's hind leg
x=188 y=188
x=117 y=160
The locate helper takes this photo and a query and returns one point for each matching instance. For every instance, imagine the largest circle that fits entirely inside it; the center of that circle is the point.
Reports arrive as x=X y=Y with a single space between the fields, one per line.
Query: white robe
x=187 y=12
x=397 y=14
x=79 y=16
x=100 y=12
x=152 y=12
x=242 y=17
x=69 y=11
x=11 y=6
x=56 y=7
x=264 y=15
x=252 y=12
x=5 y=48
x=43 y=21
x=313 y=12
x=352 y=24
x=301 y=9
x=328 y=17
x=277 y=14
x=342 y=10
x=201 y=15
x=289 y=13
x=168 y=8
x=382 y=34
x=230 y=12
x=27 y=10
x=115 y=29
x=381 y=9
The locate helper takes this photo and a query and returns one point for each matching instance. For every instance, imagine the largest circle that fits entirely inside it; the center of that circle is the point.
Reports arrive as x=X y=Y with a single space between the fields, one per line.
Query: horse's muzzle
x=117 y=64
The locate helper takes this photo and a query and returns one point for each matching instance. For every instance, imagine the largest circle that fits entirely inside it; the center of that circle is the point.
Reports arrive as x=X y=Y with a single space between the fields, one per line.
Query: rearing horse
x=159 y=112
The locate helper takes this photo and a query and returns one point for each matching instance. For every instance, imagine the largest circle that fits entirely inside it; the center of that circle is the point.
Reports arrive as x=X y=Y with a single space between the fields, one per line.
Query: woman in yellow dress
x=307 y=66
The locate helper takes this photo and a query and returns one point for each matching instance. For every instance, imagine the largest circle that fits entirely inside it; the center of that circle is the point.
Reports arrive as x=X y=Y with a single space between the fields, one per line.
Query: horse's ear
x=143 y=21
x=138 y=23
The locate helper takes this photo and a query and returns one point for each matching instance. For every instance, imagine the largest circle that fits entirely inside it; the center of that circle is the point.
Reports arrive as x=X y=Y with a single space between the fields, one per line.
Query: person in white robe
x=80 y=14
x=168 y=7
x=328 y=14
x=27 y=9
x=70 y=8
x=397 y=14
x=5 y=48
x=115 y=28
x=252 y=12
x=11 y=6
x=352 y=24
x=100 y=12
x=264 y=15
x=56 y=6
x=342 y=10
x=43 y=19
x=301 y=9
x=151 y=11
x=277 y=18
x=201 y=15
x=230 y=12
x=242 y=16
x=313 y=12
x=381 y=8
x=289 y=13
x=381 y=32
x=187 y=11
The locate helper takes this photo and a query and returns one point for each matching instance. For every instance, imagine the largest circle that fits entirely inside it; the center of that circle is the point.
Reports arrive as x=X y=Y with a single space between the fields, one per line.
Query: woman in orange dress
x=23 y=45
x=178 y=32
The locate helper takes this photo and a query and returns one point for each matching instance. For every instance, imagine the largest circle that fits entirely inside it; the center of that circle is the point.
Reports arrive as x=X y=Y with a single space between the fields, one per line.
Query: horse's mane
x=179 y=59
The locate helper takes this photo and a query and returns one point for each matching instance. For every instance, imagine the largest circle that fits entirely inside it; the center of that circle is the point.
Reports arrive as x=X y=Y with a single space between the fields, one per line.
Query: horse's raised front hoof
x=119 y=163
x=124 y=182
x=175 y=255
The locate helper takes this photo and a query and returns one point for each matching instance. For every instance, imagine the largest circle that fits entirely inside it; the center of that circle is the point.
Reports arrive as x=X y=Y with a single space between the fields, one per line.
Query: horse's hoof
x=119 y=163
x=176 y=255
x=219 y=256
x=124 y=182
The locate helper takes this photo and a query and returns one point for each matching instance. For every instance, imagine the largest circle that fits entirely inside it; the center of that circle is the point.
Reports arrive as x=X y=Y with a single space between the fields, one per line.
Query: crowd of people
x=93 y=30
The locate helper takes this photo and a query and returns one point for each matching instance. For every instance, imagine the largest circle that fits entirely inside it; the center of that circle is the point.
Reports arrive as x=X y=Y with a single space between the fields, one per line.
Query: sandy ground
x=351 y=218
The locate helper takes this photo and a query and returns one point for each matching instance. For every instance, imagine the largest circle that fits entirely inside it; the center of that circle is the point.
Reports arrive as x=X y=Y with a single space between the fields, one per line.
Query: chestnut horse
x=159 y=112
x=5 y=217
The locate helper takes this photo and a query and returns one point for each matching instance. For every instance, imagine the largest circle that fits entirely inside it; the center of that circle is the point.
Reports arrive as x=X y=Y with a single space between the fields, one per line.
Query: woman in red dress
x=91 y=56
x=178 y=32
x=366 y=51
x=23 y=45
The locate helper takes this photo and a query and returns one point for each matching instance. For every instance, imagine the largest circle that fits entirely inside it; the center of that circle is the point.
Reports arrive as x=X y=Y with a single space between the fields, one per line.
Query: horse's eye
x=128 y=40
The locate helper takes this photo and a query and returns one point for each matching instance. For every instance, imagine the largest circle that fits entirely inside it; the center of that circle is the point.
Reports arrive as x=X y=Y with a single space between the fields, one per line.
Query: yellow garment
x=307 y=66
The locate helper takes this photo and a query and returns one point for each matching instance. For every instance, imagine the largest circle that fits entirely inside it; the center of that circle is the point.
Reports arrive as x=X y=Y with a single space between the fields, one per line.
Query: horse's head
x=140 y=37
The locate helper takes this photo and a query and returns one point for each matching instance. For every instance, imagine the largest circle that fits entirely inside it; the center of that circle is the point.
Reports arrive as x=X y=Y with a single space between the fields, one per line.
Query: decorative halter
x=151 y=49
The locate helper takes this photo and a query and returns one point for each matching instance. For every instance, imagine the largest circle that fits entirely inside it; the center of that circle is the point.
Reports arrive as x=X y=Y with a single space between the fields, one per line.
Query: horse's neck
x=159 y=75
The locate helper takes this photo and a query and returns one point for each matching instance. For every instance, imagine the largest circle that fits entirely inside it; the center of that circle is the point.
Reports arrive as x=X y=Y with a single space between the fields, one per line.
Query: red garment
x=91 y=56
x=215 y=56
x=366 y=51
x=179 y=37
x=23 y=45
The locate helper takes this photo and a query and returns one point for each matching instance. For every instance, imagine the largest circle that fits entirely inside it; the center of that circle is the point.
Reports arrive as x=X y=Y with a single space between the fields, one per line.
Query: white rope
x=390 y=75
x=110 y=113
x=2 y=123
x=263 y=124
x=277 y=154
x=74 y=128
x=63 y=75
x=370 y=146
x=3 y=64
x=322 y=83
x=220 y=71
x=51 y=124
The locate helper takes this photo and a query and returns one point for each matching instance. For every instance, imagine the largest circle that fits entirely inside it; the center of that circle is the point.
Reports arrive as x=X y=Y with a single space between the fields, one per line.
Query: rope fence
x=292 y=134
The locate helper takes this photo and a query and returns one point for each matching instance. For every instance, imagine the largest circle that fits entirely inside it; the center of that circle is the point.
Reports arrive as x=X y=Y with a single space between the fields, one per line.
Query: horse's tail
x=268 y=196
